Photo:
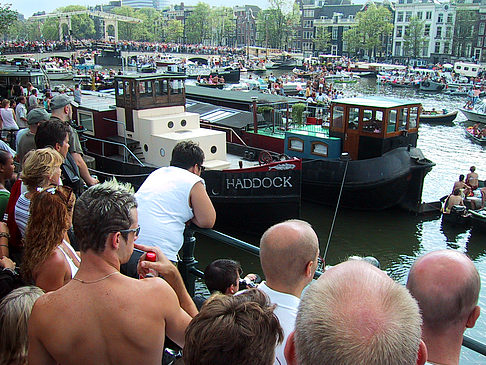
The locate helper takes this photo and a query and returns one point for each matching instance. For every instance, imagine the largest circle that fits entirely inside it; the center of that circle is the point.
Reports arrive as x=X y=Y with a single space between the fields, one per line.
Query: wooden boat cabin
x=362 y=127
x=150 y=118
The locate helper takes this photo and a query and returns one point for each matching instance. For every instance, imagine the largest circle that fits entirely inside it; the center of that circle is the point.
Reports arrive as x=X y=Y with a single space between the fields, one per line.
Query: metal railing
x=124 y=147
x=187 y=266
x=229 y=131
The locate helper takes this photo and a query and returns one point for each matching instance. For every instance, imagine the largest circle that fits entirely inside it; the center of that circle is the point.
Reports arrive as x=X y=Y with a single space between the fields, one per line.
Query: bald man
x=288 y=255
x=355 y=314
x=446 y=285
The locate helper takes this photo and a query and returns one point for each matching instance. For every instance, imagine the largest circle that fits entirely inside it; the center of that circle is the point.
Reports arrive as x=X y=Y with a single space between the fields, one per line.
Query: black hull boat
x=458 y=216
x=439 y=118
x=478 y=219
x=136 y=137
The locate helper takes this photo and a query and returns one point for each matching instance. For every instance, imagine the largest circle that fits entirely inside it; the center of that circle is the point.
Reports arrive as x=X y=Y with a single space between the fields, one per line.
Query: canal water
x=394 y=237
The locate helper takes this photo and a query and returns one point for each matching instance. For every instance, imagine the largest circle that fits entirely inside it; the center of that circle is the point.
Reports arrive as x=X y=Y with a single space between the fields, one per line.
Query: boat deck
x=279 y=132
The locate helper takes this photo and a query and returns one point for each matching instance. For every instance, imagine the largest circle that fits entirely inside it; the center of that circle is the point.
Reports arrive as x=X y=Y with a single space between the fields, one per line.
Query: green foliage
x=374 y=25
x=174 y=31
x=322 y=40
x=7 y=17
x=82 y=25
x=414 y=40
x=264 y=109
x=298 y=112
x=198 y=24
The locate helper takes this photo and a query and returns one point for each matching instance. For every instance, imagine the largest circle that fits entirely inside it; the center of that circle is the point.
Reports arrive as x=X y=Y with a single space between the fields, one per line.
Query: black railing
x=189 y=271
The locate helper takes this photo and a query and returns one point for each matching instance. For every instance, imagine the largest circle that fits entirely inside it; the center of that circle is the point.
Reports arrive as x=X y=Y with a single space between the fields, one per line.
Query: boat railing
x=278 y=117
x=187 y=266
x=126 y=151
x=231 y=134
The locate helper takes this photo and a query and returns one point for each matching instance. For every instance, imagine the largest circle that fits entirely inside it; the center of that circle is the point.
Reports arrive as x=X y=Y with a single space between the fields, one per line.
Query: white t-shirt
x=286 y=311
x=163 y=208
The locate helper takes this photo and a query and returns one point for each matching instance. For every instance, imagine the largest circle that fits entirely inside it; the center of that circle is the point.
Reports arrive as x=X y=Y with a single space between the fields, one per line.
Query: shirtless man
x=472 y=178
x=461 y=185
x=102 y=316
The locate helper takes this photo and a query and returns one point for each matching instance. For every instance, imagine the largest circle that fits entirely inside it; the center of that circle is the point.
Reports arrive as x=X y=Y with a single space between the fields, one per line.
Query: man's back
x=116 y=320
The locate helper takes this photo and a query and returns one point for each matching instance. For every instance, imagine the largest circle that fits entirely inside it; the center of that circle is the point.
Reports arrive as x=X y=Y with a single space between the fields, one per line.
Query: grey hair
x=102 y=209
x=357 y=316
x=15 y=311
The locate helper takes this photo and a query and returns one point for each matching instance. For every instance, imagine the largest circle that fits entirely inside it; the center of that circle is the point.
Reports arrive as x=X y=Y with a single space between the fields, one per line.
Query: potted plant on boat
x=266 y=111
x=298 y=113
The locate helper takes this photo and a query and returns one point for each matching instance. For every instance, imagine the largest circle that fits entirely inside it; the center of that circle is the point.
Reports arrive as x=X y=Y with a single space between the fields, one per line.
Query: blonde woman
x=15 y=311
x=41 y=168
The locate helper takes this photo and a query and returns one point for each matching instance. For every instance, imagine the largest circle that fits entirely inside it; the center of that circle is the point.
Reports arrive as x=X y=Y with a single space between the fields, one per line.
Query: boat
x=219 y=85
x=458 y=216
x=9 y=74
x=478 y=219
x=431 y=86
x=475 y=138
x=442 y=118
x=477 y=113
x=132 y=133
x=55 y=73
x=379 y=135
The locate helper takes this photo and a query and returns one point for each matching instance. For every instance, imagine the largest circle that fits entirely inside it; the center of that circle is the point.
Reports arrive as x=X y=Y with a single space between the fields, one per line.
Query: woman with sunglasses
x=49 y=260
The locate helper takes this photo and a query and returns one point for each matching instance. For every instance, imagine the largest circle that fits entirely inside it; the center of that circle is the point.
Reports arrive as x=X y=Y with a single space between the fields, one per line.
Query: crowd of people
x=466 y=189
x=67 y=240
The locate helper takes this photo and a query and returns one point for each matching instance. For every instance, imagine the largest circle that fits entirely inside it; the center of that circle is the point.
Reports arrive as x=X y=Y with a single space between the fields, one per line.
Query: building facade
x=156 y=4
x=246 y=28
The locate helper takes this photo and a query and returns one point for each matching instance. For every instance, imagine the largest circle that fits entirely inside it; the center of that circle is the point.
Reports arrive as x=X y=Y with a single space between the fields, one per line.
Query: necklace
x=97 y=280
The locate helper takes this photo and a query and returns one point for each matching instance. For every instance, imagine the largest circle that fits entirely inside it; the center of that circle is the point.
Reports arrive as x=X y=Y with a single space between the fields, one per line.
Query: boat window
x=145 y=88
x=319 y=149
x=119 y=86
x=372 y=121
x=402 y=119
x=296 y=144
x=86 y=120
x=413 y=118
x=161 y=87
x=337 y=117
x=176 y=86
x=392 y=121
x=353 y=120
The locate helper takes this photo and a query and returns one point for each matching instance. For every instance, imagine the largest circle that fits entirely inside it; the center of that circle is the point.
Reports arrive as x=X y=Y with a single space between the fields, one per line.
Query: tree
x=223 y=25
x=7 y=17
x=414 y=40
x=277 y=24
x=374 y=25
x=82 y=26
x=174 y=31
x=198 y=24
x=126 y=31
x=354 y=40
x=322 y=39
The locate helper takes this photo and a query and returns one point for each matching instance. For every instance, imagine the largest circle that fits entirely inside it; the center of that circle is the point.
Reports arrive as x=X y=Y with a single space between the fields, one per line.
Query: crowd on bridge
x=18 y=47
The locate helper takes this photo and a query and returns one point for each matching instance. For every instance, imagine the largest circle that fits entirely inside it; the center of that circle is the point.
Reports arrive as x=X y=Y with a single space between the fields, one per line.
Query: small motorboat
x=442 y=117
x=477 y=113
x=477 y=138
x=478 y=219
x=458 y=216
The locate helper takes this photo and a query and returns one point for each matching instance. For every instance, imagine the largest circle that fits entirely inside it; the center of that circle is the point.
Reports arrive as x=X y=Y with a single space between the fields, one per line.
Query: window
x=427 y=30
x=296 y=144
x=337 y=117
x=413 y=118
x=308 y=35
x=372 y=121
x=408 y=16
x=392 y=122
x=398 y=48
x=402 y=119
x=449 y=18
x=399 y=31
x=308 y=13
x=86 y=120
x=335 y=33
x=446 y=47
x=440 y=18
x=319 y=149
x=407 y=31
x=400 y=16
x=308 y=23
x=419 y=15
x=439 y=33
x=437 y=47
x=428 y=15
x=480 y=42
x=161 y=87
x=177 y=86
x=119 y=86
x=481 y=28
x=448 y=33
x=353 y=120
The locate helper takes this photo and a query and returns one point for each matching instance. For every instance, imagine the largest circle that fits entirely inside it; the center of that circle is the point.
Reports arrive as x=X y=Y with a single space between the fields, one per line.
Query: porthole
x=183 y=122
x=213 y=149
x=145 y=147
x=162 y=152
x=170 y=124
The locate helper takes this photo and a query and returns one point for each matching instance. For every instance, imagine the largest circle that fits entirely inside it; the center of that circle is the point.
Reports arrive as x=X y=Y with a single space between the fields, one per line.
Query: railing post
x=188 y=262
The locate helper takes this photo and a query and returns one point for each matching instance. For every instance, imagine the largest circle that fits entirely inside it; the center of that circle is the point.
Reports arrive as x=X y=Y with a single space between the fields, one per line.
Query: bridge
x=109 y=19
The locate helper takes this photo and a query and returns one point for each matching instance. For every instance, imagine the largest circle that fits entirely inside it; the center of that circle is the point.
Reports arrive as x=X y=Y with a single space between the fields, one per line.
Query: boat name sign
x=256 y=183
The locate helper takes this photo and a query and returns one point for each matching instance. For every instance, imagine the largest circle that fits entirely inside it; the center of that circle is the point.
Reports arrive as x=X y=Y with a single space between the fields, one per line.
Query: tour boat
x=132 y=133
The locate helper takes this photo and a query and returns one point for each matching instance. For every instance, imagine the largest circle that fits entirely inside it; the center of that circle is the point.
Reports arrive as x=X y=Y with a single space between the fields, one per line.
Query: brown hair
x=239 y=329
x=38 y=166
x=48 y=221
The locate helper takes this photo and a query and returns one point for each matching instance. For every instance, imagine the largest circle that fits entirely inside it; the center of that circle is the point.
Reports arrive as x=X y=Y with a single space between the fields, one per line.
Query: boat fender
x=426 y=83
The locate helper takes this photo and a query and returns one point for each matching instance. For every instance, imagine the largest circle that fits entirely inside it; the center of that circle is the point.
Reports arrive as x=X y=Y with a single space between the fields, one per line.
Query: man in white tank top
x=172 y=196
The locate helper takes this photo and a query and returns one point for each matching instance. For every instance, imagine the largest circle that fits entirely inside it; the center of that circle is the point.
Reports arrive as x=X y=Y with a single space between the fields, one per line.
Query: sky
x=28 y=7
